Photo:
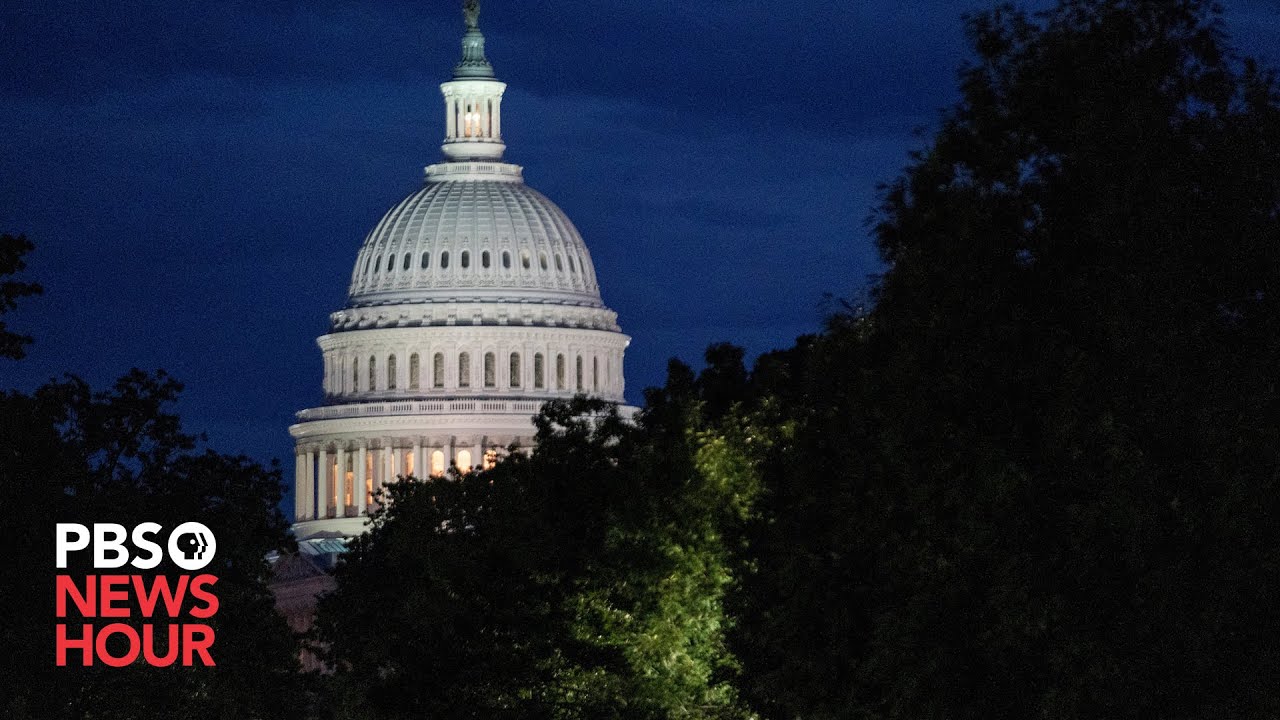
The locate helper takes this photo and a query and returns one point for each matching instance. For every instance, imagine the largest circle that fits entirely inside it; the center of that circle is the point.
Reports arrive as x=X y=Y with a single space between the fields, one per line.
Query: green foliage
x=583 y=580
x=12 y=248
x=74 y=455
x=1039 y=477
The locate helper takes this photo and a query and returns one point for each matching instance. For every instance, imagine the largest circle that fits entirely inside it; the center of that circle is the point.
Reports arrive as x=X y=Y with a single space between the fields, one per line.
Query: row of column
x=322 y=483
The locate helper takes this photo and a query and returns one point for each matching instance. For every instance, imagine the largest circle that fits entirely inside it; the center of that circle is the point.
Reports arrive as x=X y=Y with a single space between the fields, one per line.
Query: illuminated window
x=414 y=367
x=373 y=373
x=537 y=372
x=559 y=372
x=463 y=461
x=444 y=260
x=391 y=373
x=464 y=370
x=408 y=463
x=465 y=259
x=506 y=260
x=490 y=459
x=407 y=260
x=484 y=259
x=578 y=371
x=515 y=370
x=489 y=371
x=426 y=260
x=437 y=463
x=437 y=370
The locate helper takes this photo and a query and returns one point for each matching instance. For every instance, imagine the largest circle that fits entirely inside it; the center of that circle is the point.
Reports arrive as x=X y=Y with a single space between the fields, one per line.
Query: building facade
x=472 y=302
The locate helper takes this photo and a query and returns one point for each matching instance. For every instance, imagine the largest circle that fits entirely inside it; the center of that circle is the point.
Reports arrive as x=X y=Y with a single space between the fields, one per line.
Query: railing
x=422 y=407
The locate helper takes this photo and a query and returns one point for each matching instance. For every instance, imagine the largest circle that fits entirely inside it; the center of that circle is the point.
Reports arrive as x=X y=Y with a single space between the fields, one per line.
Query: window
x=437 y=371
x=538 y=382
x=489 y=371
x=377 y=265
x=437 y=463
x=426 y=260
x=414 y=367
x=595 y=373
x=515 y=370
x=409 y=465
x=355 y=375
x=506 y=260
x=542 y=261
x=524 y=259
x=578 y=371
x=373 y=373
x=464 y=370
x=464 y=461
x=559 y=372
x=484 y=259
x=465 y=259
x=391 y=373
x=391 y=263
x=490 y=459
x=559 y=265
x=407 y=261
x=444 y=260
x=572 y=269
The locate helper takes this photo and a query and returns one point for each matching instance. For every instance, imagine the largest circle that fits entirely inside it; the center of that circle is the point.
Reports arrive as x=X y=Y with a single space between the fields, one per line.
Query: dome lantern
x=473 y=99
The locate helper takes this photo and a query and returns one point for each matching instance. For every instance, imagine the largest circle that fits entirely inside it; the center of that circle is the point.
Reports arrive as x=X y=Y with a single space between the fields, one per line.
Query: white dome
x=482 y=237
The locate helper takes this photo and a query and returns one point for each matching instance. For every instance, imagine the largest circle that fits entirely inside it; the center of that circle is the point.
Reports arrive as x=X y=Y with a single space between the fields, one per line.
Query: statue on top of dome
x=471 y=13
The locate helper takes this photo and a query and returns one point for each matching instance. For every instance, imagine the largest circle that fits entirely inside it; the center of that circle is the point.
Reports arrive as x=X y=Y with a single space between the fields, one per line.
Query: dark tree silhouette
x=12 y=248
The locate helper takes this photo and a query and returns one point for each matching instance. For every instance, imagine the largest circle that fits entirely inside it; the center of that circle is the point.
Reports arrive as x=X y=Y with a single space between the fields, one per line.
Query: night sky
x=197 y=177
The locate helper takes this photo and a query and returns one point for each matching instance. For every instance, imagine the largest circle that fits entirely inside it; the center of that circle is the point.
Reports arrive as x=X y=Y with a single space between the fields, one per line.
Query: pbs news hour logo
x=90 y=607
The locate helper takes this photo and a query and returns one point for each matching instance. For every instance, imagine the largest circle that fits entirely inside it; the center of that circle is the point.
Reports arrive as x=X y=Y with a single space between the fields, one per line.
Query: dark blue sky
x=197 y=177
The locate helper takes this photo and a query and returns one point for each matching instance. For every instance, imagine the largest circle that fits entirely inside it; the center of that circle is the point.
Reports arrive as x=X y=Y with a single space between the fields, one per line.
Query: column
x=420 y=468
x=361 y=482
x=297 y=486
x=309 y=485
x=341 y=481
x=322 y=483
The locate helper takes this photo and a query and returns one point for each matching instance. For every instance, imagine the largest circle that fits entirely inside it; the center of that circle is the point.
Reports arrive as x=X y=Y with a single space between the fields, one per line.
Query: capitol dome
x=468 y=236
x=471 y=303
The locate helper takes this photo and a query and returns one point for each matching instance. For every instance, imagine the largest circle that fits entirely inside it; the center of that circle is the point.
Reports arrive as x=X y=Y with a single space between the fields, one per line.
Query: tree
x=74 y=455
x=12 y=248
x=1039 y=476
x=584 y=580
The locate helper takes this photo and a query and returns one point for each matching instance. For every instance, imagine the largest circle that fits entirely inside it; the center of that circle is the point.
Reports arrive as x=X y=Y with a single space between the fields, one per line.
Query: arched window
x=444 y=260
x=524 y=259
x=465 y=259
x=490 y=459
x=463 y=461
x=426 y=260
x=595 y=373
x=572 y=267
x=490 y=372
x=578 y=371
x=559 y=265
x=391 y=372
x=559 y=372
x=407 y=260
x=538 y=372
x=391 y=263
x=377 y=265
x=373 y=373
x=464 y=370
x=542 y=261
x=515 y=370
x=355 y=374
x=506 y=260
x=414 y=368
x=484 y=259
x=437 y=463
x=437 y=371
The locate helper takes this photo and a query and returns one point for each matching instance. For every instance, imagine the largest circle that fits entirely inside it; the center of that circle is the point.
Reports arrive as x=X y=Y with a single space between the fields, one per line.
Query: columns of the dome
x=322 y=483
x=418 y=460
x=341 y=483
x=362 y=483
x=473 y=119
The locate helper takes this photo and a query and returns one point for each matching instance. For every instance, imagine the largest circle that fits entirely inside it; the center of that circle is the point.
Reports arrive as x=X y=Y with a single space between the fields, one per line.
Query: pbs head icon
x=192 y=546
